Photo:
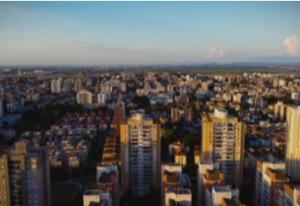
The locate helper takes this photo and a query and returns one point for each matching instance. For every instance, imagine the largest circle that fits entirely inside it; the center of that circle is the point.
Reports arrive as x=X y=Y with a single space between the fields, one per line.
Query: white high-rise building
x=84 y=97
x=56 y=86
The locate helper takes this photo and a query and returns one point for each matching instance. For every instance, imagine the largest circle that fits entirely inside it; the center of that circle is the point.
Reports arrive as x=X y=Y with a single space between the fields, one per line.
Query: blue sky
x=113 y=33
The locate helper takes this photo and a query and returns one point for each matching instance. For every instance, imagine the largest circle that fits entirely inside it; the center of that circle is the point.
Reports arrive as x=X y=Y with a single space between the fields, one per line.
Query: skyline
x=116 y=33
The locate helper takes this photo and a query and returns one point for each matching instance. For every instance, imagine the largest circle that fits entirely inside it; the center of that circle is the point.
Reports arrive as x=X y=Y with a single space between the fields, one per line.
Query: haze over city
x=116 y=33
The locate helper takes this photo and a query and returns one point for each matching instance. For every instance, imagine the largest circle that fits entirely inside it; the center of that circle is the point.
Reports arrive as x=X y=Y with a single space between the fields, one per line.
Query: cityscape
x=131 y=104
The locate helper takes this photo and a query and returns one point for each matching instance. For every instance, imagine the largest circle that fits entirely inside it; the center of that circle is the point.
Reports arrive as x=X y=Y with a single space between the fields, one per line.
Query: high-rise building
x=295 y=95
x=25 y=176
x=188 y=114
x=205 y=86
x=172 y=180
x=68 y=83
x=223 y=143
x=78 y=85
x=209 y=176
x=178 y=196
x=103 y=97
x=140 y=154
x=56 y=86
x=280 y=110
x=108 y=180
x=223 y=196
x=84 y=97
x=175 y=114
x=292 y=154
x=269 y=178
x=96 y=198
x=289 y=195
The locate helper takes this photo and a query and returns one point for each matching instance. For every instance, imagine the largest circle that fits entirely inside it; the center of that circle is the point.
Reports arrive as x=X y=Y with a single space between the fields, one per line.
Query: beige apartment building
x=25 y=176
x=140 y=154
x=292 y=153
x=270 y=176
x=223 y=142
x=289 y=195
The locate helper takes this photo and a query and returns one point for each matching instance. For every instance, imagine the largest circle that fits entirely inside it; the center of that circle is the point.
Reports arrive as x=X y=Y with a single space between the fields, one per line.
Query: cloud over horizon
x=292 y=45
x=215 y=52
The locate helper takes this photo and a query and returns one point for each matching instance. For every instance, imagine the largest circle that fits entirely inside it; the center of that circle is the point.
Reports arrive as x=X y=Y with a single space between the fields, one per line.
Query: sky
x=135 y=33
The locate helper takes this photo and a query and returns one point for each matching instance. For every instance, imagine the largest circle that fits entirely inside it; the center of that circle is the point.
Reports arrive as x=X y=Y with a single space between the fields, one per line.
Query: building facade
x=84 y=97
x=289 y=195
x=270 y=176
x=25 y=176
x=292 y=153
x=108 y=180
x=140 y=154
x=223 y=143
x=208 y=176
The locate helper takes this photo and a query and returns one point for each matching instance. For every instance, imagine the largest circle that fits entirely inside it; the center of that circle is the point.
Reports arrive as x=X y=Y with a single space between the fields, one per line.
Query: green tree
x=142 y=101
x=169 y=134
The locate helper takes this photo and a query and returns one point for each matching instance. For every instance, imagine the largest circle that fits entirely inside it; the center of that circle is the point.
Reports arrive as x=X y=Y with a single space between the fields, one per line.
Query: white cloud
x=215 y=52
x=292 y=45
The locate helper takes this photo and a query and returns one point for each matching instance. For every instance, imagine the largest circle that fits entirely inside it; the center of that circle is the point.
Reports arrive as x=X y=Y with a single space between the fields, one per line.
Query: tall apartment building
x=84 y=97
x=295 y=95
x=172 y=179
x=223 y=143
x=188 y=114
x=78 y=85
x=289 y=195
x=209 y=176
x=108 y=180
x=280 y=110
x=269 y=178
x=68 y=83
x=96 y=198
x=25 y=176
x=56 y=86
x=103 y=97
x=175 y=114
x=292 y=153
x=140 y=154
x=180 y=196
x=223 y=196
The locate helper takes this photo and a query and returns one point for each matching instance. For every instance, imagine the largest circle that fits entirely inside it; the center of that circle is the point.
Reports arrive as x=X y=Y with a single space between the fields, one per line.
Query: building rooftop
x=179 y=191
x=221 y=189
x=92 y=192
x=231 y=202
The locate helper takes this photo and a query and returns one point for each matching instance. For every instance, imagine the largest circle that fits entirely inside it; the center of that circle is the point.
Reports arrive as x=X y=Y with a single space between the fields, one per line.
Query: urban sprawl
x=151 y=138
